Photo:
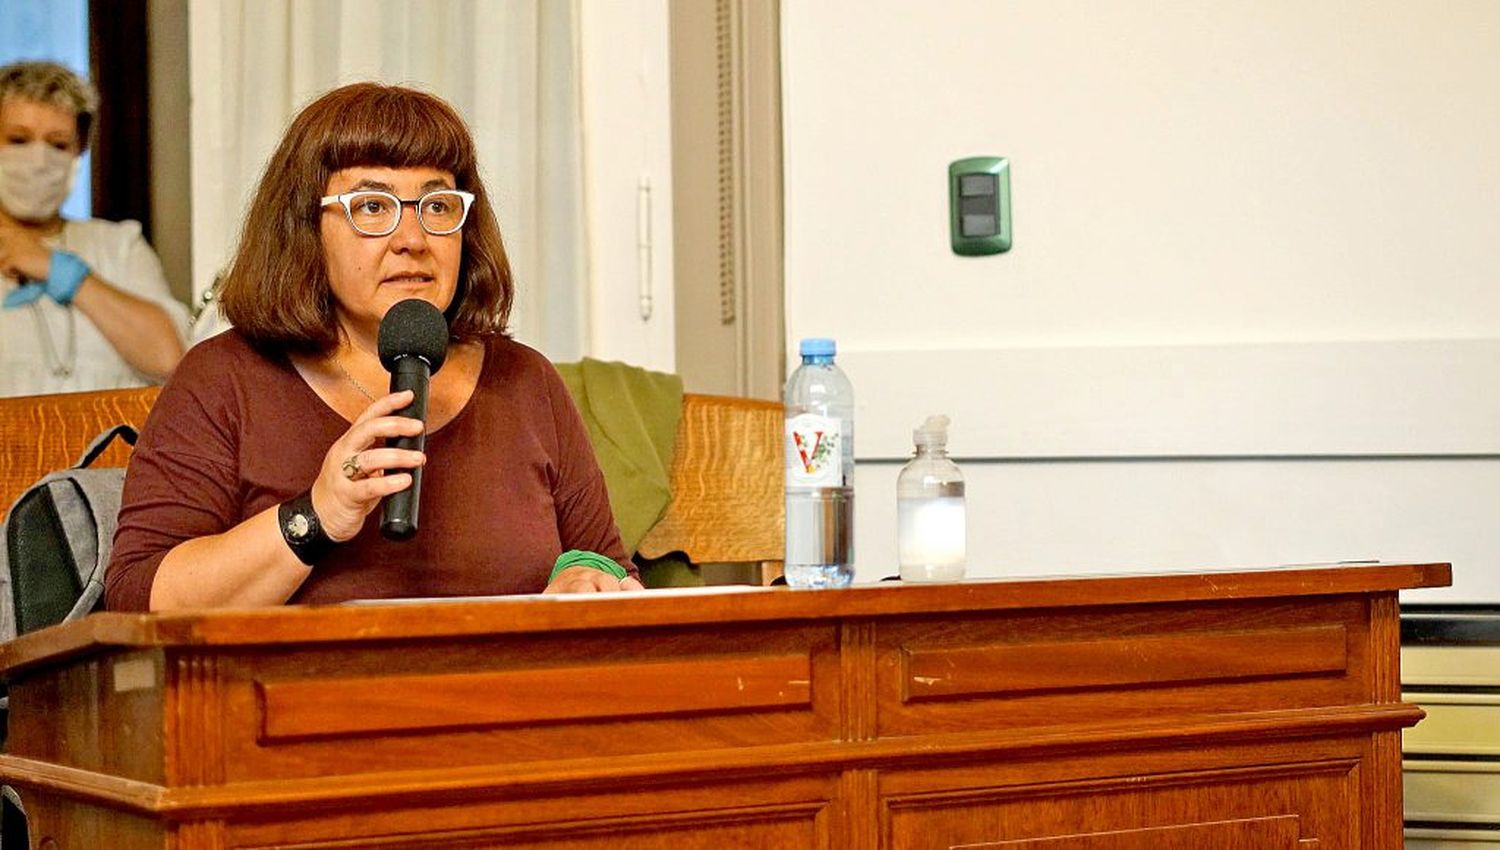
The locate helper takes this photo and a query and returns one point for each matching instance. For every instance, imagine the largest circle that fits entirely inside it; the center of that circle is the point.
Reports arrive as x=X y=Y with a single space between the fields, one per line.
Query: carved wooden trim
x=194 y=721
x=955 y=672
x=726 y=54
x=198 y=835
x=1114 y=783
x=296 y=626
x=285 y=795
x=859 y=793
x=858 y=676
x=1385 y=643
x=326 y=707
x=557 y=831
x=1267 y=833
x=1384 y=789
x=115 y=791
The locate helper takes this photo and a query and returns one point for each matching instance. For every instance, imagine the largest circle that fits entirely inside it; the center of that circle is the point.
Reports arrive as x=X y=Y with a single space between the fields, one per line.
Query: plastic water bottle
x=931 y=532
x=819 y=470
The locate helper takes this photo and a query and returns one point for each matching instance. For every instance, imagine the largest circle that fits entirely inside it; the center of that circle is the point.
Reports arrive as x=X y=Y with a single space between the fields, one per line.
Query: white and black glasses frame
x=376 y=213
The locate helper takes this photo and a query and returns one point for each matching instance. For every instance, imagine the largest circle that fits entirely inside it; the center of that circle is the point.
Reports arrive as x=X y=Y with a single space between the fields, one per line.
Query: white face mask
x=35 y=179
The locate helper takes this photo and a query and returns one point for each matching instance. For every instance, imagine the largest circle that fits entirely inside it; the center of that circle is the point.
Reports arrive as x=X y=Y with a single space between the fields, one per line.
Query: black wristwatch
x=302 y=530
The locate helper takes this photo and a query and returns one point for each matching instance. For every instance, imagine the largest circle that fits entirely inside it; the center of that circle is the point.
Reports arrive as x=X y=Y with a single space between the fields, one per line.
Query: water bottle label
x=814 y=451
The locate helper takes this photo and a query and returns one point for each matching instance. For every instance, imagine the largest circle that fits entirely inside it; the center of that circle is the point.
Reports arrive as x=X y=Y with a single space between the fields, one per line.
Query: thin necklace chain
x=356 y=384
x=60 y=364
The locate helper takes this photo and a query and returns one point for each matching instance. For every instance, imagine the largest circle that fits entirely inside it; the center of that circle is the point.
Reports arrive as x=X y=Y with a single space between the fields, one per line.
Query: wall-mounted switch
x=979 y=205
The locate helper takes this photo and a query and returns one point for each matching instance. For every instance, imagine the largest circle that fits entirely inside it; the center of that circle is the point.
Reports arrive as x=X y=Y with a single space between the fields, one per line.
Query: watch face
x=299 y=526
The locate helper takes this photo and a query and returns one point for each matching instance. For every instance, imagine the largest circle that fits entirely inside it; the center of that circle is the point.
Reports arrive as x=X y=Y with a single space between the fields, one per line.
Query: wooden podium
x=1245 y=710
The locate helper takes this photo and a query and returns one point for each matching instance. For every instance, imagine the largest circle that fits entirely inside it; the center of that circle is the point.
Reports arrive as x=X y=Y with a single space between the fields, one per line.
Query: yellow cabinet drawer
x=1463 y=792
x=1451 y=839
x=1450 y=665
x=1456 y=724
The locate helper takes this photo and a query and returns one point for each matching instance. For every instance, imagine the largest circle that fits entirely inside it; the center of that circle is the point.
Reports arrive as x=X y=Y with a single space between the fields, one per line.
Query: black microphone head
x=413 y=328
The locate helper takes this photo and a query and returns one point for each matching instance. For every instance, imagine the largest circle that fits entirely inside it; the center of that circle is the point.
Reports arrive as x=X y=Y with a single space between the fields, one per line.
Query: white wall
x=628 y=140
x=1256 y=244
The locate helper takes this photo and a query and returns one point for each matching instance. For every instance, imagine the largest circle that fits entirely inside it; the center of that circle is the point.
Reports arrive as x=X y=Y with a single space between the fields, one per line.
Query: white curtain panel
x=510 y=67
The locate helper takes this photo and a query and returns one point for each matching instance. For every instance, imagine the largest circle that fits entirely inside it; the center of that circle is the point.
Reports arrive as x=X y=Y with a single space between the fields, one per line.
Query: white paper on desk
x=710 y=590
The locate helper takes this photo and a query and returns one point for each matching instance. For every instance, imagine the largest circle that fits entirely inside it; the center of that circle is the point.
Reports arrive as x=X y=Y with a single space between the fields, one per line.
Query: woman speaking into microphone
x=259 y=474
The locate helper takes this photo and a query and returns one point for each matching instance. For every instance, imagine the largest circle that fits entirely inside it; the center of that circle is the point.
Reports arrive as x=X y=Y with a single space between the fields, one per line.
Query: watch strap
x=302 y=530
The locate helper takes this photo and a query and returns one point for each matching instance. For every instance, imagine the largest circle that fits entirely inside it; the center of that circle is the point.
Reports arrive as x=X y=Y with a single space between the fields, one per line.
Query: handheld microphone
x=413 y=345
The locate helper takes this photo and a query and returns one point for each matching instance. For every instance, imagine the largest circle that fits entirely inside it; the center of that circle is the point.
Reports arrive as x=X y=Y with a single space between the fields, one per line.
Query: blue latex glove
x=22 y=295
x=65 y=273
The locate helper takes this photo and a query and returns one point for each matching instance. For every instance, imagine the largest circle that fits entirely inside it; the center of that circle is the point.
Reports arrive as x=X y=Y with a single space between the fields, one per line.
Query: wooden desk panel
x=655 y=691
x=1050 y=668
x=1251 y=709
x=1137 y=799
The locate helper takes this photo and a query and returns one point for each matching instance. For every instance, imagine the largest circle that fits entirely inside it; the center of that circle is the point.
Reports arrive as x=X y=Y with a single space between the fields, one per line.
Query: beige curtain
x=509 y=66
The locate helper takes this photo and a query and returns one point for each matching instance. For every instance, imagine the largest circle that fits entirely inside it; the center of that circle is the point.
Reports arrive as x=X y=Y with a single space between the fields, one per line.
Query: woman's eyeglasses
x=379 y=213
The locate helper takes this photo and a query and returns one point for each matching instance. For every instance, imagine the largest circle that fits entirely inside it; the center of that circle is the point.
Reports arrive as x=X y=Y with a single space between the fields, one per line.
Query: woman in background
x=52 y=270
x=257 y=475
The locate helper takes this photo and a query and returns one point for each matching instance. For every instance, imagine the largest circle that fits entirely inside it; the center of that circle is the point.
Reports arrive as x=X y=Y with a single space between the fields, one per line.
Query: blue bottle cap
x=818 y=347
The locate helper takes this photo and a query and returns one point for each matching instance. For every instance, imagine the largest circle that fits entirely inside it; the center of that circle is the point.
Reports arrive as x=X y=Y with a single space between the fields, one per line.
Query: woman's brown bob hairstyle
x=277 y=292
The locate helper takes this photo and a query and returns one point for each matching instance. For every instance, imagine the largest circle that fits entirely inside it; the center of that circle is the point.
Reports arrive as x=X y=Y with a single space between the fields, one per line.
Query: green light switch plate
x=979 y=205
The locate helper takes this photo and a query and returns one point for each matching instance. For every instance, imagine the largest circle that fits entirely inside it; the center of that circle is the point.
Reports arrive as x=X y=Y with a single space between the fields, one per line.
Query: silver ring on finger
x=352 y=470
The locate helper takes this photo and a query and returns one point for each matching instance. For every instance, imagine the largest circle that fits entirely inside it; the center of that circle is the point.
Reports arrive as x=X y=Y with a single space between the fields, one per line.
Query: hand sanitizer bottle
x=931 y=533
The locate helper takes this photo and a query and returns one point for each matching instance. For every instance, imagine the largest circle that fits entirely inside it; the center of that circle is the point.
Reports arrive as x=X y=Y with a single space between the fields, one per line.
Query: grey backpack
x=57 y=540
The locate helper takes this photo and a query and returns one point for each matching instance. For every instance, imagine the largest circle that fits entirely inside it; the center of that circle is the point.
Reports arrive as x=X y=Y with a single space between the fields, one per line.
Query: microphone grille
x=413 y=327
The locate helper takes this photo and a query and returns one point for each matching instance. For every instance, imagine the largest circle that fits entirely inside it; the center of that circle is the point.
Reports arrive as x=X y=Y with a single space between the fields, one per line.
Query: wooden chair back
x=727 y=488
x=726 y=469
x=44 y=433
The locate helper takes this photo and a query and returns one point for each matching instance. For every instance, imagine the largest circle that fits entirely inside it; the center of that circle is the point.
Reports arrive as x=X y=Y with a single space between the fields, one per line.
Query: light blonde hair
x=54 y=85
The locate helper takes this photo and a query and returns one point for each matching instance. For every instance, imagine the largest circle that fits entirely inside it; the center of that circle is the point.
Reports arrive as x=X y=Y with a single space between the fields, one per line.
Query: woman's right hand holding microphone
x=356 y=473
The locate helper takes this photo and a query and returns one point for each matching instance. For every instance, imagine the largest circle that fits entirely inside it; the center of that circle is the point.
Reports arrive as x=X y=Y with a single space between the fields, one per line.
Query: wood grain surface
x=727 y=493
x=455 y=618
x=1098 y=715
x=45 y=433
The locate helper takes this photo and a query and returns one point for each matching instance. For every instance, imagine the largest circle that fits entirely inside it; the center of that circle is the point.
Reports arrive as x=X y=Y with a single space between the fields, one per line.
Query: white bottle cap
x=933 y=434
